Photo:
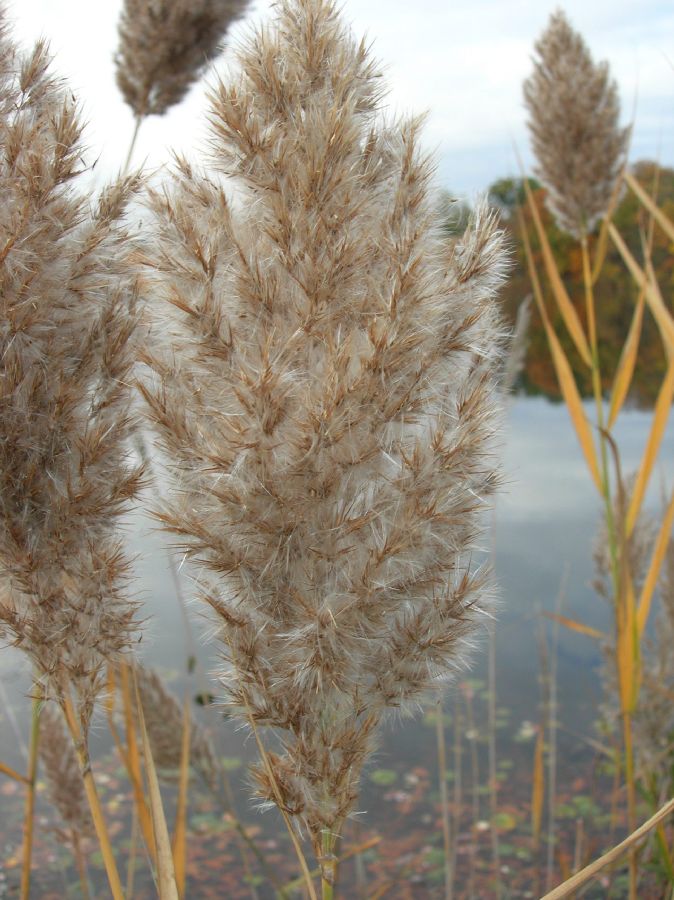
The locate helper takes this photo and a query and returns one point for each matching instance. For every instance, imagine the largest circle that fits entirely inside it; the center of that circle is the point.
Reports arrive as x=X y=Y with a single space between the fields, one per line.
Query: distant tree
x=508 y=193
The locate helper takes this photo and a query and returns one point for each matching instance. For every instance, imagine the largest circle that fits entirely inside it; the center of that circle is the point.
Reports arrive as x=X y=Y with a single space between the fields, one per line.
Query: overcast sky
x=463 y=62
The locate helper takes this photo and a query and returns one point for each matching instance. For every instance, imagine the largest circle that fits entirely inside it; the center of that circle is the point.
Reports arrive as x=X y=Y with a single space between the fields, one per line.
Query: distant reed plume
x=68 y=318
x=164 y=46
x=163 y=715
x=65 y=787
x=325 y=402
x=574 y=113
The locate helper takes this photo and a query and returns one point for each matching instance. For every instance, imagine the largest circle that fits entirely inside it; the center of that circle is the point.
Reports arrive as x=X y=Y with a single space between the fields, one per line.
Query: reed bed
x=325 y=371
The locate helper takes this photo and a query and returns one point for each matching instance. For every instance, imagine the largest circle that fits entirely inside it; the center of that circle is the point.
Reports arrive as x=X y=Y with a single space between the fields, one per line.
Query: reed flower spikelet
x=67 y=323
x=164 y=46
x=574 y=112
x=163 y=716
x=65 y=787
x=325 y=402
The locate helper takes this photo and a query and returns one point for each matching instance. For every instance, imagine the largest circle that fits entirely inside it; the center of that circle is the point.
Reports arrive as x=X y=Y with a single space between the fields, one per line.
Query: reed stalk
x=29 y=806
x=82 y=751
x=444 y=795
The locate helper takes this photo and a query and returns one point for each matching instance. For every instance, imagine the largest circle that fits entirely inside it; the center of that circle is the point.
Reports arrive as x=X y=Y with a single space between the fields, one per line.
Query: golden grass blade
x=565 y=377
x=663 y=221
x=660 y=416
x=12 y=773
x=180 y=830
x=29 y=806
x=92 y=796
x=655 y=565
x=576 y=626
x=168 y=889
x=660 y=312
x=538 y=787
x=601 y=246
x=627 y=362
x=297 y=883
x=562 y=298
x=133 y=766
x=580 y=878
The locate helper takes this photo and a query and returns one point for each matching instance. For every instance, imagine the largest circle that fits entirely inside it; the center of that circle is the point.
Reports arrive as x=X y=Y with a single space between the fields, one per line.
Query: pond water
x=544 y=526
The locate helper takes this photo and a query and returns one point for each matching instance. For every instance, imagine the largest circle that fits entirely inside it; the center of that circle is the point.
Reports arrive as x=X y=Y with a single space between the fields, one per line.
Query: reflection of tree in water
x=615 y=292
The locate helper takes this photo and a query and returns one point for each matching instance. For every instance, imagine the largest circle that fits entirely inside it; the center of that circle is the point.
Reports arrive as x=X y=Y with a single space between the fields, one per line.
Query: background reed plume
x=324 y=399
x=67 y=323
x=65 y=787
x=164 y=46
x=163 y=716
x=574 y=113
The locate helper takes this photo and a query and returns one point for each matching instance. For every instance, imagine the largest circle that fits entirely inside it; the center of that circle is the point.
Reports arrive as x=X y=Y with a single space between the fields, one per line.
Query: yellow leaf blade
x=580 y=627
x=12 y=773
x=561 y=295
x=627 y=362
x=655 y=302
x=663 y=221
x=651 y=580
x=660 y=416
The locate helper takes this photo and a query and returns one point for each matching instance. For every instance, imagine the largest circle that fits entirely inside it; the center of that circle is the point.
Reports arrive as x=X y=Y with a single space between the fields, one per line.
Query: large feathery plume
x=574 y=113
x=164 y=46
x=163 y=716
x=325 y=402
x=67 y=322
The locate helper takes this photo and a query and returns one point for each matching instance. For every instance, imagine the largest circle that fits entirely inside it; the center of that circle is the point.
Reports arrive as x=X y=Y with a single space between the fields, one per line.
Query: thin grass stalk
x=138 y=121
x=133 y=766
x=458 y=784
x=168 y=889
x=493 y=780
x=180 y=832
x=475 y=790
x=589 y=872
x=663 y=220
x=444 y=795
x=354 y=852
x=29 y=808
x=12 y=773
x=552 y=738
x=82 y=866
x=133 y=850
x=328 y=865
x=92 y=796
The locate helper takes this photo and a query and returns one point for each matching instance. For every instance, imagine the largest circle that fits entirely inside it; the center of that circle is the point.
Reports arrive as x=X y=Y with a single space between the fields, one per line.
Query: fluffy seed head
x=67 y=345
x=324 y=395
x=164 y=46
x=574 y=113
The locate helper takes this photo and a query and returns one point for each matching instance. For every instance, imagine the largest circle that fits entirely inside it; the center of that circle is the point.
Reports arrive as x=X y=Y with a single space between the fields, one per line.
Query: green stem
x=328 y=864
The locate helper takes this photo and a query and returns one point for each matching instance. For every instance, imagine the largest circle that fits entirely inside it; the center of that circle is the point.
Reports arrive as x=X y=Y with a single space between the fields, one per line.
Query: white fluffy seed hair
x=574 y=113
x=324 y=363
x=67 y=323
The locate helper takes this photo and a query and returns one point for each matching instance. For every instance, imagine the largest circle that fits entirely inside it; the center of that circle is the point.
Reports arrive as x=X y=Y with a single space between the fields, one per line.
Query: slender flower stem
x=132 y=146
x=29 y=814
x=92 y=796
x=328 y=864
x=444 y=797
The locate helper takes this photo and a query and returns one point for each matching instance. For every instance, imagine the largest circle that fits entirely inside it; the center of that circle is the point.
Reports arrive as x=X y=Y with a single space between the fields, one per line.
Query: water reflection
x=544 y=526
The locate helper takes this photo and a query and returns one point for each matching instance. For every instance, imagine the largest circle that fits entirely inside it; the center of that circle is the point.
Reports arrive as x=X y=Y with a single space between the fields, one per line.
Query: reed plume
x=323 y=392
x=574 y=112
x=67 y=323
x=164 y=722
x=65 y=787
x=164 y=46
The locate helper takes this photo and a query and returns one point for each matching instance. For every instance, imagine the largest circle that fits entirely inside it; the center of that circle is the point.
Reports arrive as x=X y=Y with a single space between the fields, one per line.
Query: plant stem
x=82 y=751
x=328 y=864
x=29 y=814
x=132 y=145
x=444 y=798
